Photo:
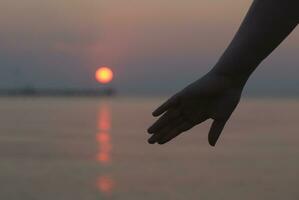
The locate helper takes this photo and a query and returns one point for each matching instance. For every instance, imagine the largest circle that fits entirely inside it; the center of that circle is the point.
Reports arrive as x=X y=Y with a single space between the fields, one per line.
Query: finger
x=174 y=133
x=165 y=106
x=185 y=125
x=163 y=121
x=215 y=131
x=157 y=135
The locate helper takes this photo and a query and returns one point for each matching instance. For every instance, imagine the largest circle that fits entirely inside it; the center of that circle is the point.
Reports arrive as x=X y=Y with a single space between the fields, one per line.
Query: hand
x=212 y=96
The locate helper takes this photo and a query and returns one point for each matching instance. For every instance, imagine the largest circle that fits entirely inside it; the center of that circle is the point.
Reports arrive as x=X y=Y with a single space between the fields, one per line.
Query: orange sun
x=104 y=75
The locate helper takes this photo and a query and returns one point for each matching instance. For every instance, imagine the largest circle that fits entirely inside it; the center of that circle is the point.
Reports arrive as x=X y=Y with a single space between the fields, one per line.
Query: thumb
x=215 y=131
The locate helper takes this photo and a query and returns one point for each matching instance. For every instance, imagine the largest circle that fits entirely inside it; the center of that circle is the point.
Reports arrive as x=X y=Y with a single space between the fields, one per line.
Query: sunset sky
x=153 y=47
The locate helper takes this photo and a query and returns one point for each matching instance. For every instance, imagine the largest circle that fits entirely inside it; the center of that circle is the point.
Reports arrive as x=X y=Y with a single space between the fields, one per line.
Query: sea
x=80 y=148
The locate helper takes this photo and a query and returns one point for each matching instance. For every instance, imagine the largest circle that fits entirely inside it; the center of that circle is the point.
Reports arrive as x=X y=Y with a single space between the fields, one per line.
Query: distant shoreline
x=57 y=92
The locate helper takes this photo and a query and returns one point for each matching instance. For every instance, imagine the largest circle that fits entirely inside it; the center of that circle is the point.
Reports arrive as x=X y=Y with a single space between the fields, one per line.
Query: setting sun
x=104 y=75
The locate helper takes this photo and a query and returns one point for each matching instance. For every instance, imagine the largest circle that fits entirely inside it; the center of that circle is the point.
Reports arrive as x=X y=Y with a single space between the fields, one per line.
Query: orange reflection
x=105 y=184
x=103 y=137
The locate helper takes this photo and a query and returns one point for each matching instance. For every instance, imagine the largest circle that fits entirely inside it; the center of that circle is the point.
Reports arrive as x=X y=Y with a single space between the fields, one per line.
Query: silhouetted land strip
x=58 y=92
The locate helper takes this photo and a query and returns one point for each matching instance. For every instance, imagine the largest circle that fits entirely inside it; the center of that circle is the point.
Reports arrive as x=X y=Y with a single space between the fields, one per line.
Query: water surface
x=91 y=148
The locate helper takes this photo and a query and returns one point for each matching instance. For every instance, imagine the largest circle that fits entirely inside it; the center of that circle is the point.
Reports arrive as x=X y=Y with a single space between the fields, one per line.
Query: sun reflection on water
x=105 y=183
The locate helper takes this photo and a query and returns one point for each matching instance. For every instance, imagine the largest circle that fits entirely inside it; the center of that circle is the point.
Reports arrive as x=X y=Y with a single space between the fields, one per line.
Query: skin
x=217 y=94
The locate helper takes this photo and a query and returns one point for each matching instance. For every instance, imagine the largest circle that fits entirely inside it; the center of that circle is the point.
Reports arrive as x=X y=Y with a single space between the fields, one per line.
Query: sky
x=153 y=47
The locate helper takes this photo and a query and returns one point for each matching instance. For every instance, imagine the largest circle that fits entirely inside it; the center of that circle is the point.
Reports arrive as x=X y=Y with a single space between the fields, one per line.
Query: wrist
x=233 y=79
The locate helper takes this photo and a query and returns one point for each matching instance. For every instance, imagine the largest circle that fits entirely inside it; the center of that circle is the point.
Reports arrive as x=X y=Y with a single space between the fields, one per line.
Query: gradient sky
x=155 y=46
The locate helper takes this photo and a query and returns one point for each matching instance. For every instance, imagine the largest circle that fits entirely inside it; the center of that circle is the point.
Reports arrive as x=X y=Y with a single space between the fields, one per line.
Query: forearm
x=266 y=25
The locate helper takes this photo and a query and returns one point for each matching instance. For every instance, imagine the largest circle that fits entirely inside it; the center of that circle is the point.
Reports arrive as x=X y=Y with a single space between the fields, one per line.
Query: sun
x=104 y=75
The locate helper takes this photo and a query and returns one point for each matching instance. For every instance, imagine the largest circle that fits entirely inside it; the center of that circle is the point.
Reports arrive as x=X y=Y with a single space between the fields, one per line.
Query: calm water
x=91 y=149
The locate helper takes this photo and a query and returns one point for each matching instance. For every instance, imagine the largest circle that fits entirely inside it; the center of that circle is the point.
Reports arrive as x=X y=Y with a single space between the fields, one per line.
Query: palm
x=210 y=97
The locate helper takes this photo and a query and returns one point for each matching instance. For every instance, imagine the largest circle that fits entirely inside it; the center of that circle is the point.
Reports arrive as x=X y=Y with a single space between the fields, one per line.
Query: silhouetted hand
x=212 y=96
x=215 y=96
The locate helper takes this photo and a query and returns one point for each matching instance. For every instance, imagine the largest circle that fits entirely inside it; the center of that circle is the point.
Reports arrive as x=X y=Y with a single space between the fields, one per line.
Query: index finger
x=166 y=119
x=165 y=106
